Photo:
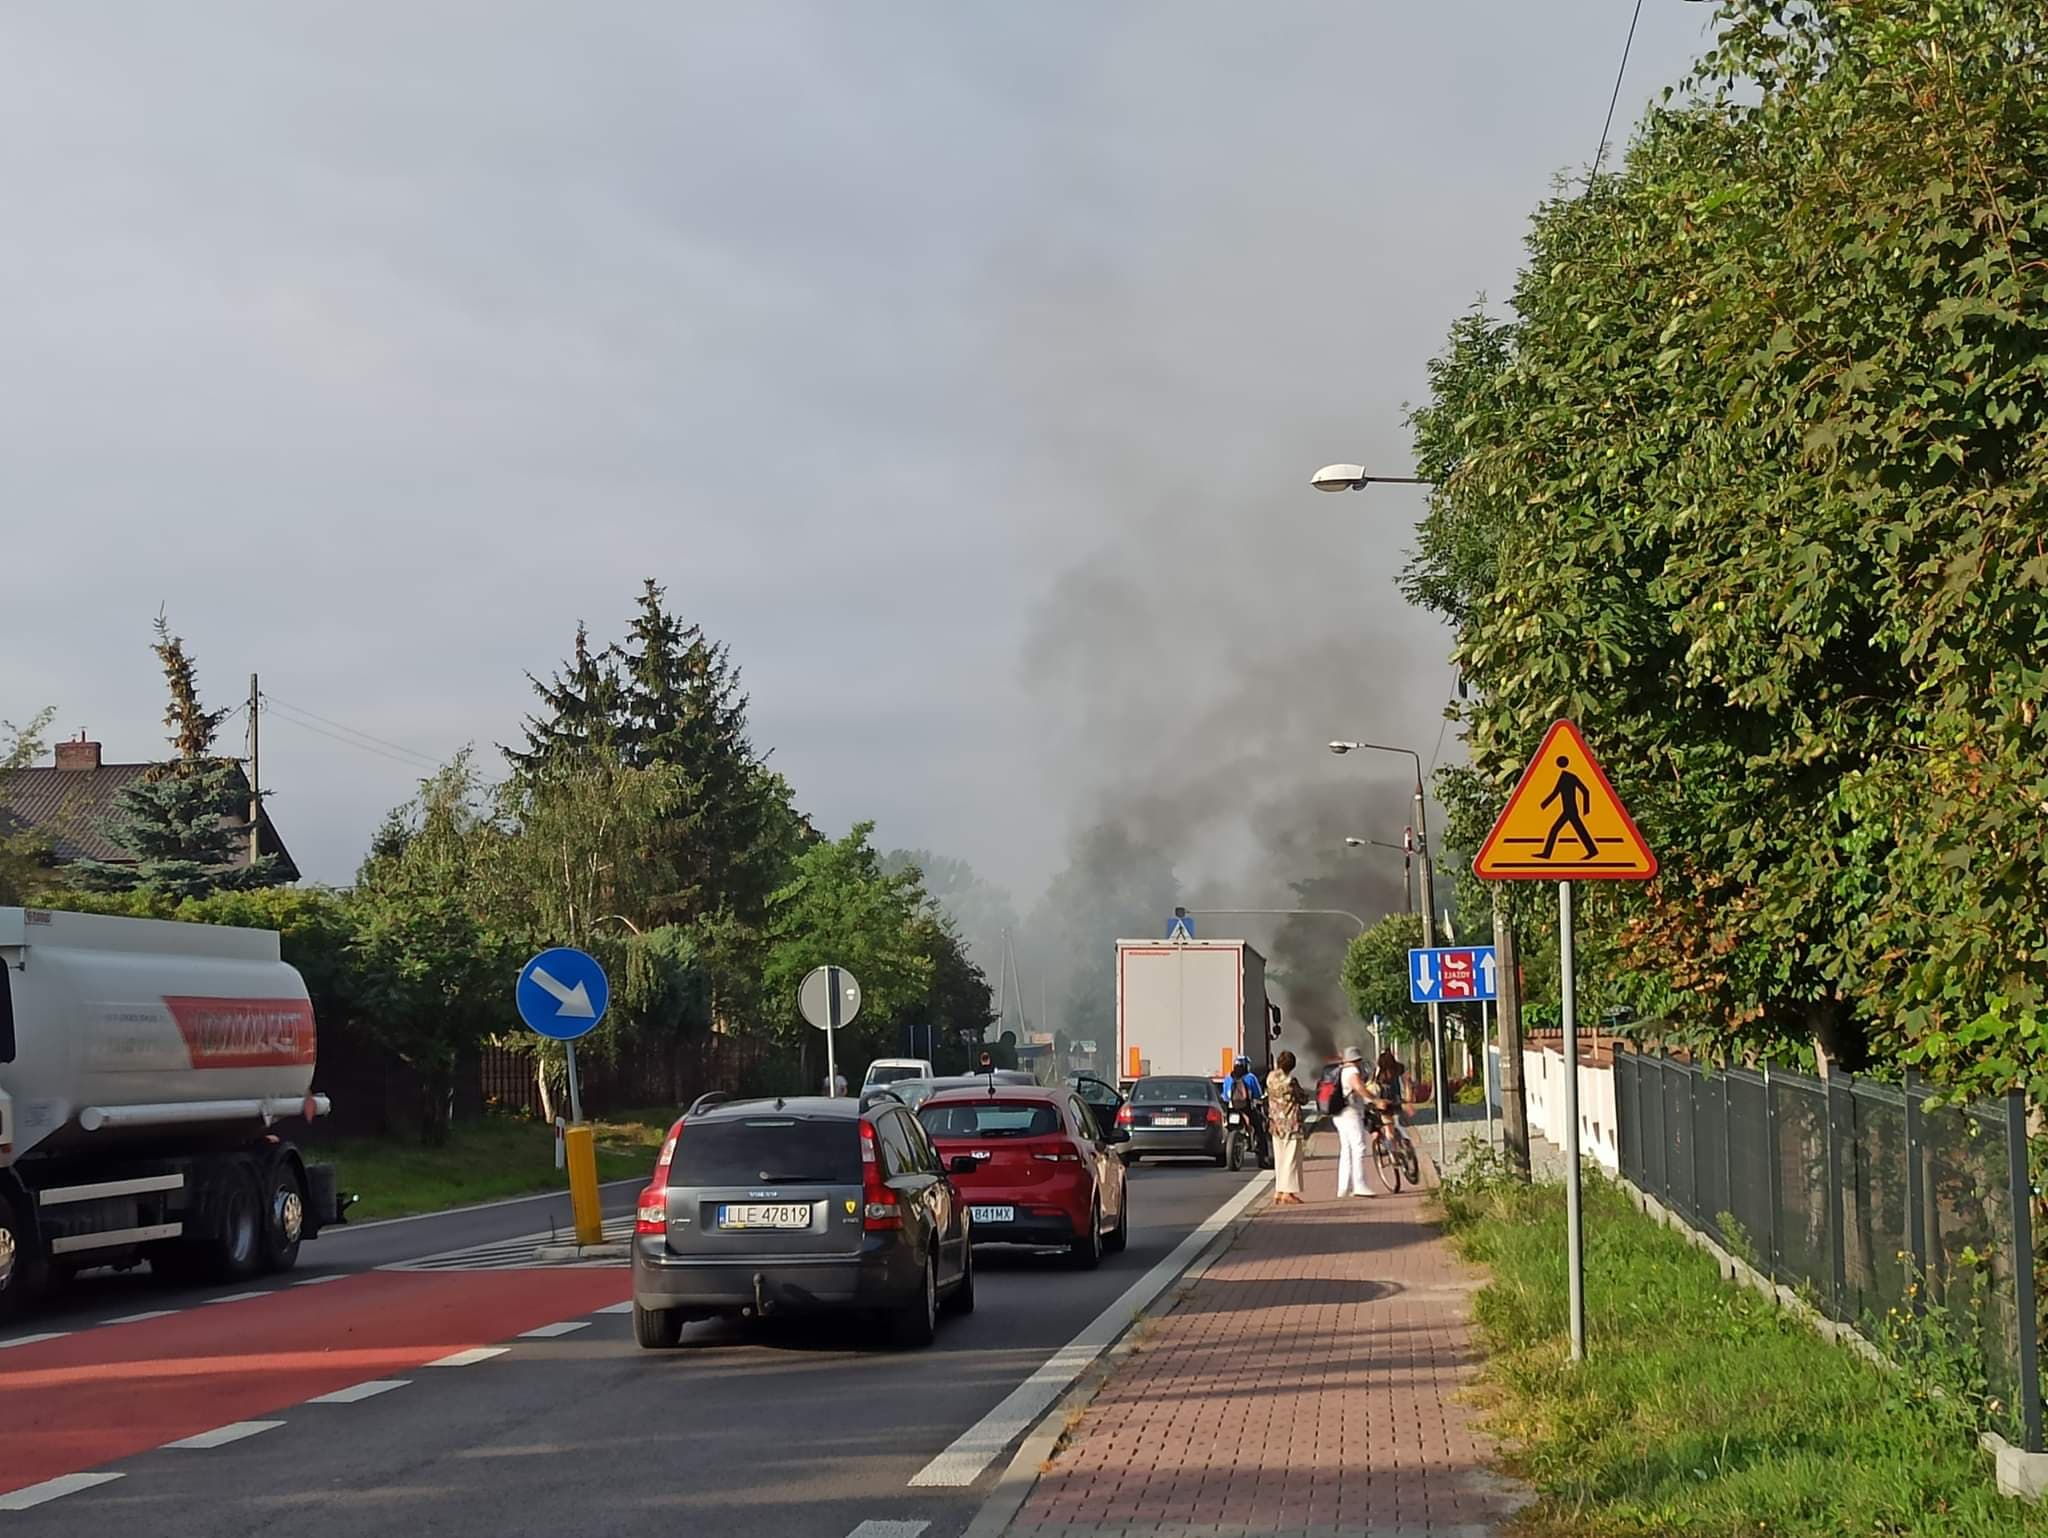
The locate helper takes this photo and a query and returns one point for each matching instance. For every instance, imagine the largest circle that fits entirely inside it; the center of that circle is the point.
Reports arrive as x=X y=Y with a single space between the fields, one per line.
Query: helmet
x=1242 y=1063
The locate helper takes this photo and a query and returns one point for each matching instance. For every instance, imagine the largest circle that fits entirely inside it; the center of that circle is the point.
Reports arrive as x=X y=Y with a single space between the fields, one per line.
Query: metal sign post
x=829 y=999
x=562 y=994
x=1575 y=1235
x=1486 y=1068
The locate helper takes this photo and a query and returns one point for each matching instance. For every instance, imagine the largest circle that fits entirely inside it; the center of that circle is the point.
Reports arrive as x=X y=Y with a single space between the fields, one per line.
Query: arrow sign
x=1425 y=982
x=562 y=993
x=1488 y=970
x=1453 y=974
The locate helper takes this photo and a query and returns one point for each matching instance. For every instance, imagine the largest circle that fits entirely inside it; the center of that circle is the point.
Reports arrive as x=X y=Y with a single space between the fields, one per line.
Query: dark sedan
x=1170 y=1116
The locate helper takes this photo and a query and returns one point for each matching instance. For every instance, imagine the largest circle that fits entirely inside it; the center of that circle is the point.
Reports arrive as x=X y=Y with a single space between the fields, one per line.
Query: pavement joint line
x=32 y=1340
x=616 y=1308
x=142 y=1318
x=51 y=1489
x=550 y=1331
x=356 y=1393
x=239 y=1297
x=220 y=1436
x=470 y=1357
x=969 y=1455
x=1015 y=1484
x=874 y=1529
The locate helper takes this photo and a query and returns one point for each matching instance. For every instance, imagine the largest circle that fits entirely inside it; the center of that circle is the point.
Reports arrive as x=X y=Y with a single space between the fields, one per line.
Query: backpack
x=1240 y=1092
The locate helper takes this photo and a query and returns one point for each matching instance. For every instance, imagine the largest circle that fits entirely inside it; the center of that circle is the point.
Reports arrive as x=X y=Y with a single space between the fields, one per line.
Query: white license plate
x=993 y=1214
x=765 y=1215
x=1169 y=1121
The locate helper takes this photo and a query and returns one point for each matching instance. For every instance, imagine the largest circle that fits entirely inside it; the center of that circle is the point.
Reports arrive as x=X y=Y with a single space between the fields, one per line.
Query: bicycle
x=1397 y=1160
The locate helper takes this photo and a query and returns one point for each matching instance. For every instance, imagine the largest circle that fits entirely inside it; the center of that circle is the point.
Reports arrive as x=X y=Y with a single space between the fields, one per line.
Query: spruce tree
x=582 y=708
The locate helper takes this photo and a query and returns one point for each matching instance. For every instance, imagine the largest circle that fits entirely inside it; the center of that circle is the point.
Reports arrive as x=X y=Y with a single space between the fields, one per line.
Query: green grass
x=1702 y=1409
x=483 y=1160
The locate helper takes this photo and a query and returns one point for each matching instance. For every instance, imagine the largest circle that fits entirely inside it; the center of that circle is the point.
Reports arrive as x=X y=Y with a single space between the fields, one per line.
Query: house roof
x=73 y=808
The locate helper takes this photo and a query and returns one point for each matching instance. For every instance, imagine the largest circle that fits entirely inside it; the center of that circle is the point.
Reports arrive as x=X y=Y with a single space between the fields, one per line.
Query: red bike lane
x=90 y=1398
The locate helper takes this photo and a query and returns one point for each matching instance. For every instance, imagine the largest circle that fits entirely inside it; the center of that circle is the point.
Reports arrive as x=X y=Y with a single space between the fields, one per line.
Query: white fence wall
x=1543 y=1084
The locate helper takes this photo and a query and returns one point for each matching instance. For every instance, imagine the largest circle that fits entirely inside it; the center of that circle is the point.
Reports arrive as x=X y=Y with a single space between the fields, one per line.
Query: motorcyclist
x=1243 y=1092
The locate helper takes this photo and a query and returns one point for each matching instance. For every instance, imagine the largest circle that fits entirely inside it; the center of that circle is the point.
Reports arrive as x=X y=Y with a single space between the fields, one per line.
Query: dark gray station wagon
x=764 y=1207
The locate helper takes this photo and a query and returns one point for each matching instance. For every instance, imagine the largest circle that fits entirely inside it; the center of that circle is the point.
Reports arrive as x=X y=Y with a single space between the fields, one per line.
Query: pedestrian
x=1349 y=1115
x=1283 y=1117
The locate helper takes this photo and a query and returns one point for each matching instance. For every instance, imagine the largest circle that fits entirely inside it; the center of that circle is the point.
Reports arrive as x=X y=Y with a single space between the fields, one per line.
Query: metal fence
x=1851 y=1191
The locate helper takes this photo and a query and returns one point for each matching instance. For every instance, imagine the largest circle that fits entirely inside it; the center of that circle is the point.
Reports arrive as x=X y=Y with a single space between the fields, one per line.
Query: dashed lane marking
x=550 y=1331
x=470 y=1357
x=872 y=1529
x=220 y=1436
x=512 y=1254
x=238 y=1297
x=618 y=1308
x=355 y=1393
x=51 y=1489
x=142 y=1318
x=316 y=1281
x=33 y=1340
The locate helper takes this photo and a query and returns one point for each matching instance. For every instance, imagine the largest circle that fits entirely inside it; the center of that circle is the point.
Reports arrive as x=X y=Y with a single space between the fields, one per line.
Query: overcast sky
x=961 y=365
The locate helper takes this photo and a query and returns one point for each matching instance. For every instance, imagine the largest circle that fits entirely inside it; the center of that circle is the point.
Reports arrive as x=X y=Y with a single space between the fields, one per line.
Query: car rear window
x=747 y=1149
x=1170 y=1091
x=991 y=1118
x=880 y=1075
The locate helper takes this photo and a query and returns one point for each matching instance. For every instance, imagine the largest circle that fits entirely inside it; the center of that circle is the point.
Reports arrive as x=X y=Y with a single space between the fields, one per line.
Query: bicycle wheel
x=1389 y=1166
x=1410 y=1165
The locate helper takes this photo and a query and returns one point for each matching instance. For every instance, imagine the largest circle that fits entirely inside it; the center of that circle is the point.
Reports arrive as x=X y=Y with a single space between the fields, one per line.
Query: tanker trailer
x=143 y=1067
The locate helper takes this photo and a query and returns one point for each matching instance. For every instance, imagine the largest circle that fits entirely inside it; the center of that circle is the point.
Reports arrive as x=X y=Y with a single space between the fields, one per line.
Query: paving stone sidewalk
x=1307 y=1388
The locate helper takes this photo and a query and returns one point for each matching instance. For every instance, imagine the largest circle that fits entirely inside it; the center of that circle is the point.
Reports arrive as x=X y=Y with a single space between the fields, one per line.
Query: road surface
x=422 y=1377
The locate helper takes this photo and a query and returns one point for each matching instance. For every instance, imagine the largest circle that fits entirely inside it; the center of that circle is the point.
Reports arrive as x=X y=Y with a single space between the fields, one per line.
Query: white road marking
x=144 y=1317
x=50 y=1489
x=238 y=1297
x=511 y=1254
x=982 y=1443
x=456 y=1212
x=473 y=1355
x=220 y=1436
x=616 y=1308
x=355 y=1393
x=315 y=1281
x=550 y=1331
x=32 y=1340
x=873 y=1529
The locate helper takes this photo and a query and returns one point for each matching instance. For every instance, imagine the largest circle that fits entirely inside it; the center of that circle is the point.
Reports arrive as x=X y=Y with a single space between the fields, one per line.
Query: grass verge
x=1702 y=1409
x=483 y=1160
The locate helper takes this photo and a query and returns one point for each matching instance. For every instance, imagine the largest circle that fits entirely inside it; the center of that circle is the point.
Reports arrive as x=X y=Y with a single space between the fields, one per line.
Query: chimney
x=78 y=754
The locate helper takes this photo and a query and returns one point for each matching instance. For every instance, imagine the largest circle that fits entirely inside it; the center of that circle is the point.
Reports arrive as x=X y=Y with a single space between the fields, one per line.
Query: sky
x=961 y=366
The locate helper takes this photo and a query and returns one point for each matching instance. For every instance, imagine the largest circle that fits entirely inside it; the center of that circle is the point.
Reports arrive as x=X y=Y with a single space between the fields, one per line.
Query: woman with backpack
x=1348 y=1112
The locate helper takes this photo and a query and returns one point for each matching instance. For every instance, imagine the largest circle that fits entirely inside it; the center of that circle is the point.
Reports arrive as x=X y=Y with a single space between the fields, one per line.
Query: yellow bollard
x=581 y=1146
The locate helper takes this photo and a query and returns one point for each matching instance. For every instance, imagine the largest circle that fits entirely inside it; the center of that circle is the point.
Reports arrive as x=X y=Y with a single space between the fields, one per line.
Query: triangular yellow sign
x=1564 y=822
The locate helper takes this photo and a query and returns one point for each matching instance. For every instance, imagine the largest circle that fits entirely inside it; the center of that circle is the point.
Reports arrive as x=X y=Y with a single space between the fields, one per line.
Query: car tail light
x=650 y=1215
x=1058 y=1156
x=1215 y=1116
x=1123 y=1116
x=879 y=1209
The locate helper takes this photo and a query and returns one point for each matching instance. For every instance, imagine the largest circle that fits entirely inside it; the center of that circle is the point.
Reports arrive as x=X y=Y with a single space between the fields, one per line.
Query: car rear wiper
x=773 y=1177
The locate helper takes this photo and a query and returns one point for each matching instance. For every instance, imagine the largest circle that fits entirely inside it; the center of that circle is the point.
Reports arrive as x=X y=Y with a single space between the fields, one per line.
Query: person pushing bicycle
x=1389 y=1089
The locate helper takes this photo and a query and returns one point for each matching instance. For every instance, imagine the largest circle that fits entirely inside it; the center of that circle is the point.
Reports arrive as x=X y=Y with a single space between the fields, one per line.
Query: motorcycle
x=1236 y=1133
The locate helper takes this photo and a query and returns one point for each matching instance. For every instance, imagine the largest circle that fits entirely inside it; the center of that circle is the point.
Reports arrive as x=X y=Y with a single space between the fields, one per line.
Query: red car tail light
x=1215 y=1117
x=1059 y=1156
x=879 y=1208
x=650 y=1215
x=1123 y=1115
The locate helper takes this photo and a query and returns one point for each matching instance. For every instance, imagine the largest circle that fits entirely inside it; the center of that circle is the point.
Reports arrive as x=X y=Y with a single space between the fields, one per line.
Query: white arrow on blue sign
x=1453 y=974
x=562 y=993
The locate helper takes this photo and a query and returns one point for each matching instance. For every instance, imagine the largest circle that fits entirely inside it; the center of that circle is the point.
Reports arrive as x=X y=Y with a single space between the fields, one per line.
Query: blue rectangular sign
x=1453 y=974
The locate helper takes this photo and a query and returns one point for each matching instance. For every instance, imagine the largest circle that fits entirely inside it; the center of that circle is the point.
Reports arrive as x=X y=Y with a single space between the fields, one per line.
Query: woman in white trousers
x=1351 y=1127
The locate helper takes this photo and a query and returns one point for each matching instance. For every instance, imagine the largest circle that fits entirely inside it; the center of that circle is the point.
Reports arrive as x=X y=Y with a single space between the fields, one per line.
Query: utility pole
x=255 y=772
x=1436 y=1017
x=1514 y=1104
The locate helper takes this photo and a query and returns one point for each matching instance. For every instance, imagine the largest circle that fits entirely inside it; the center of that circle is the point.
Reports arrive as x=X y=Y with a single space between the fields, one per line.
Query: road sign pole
x=832 y=1031
x=1575 y=1237
x=575 y=1089
x=1486 y=1068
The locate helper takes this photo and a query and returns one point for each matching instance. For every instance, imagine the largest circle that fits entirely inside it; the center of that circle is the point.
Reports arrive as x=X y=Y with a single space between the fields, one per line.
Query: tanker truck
x=143 y=1067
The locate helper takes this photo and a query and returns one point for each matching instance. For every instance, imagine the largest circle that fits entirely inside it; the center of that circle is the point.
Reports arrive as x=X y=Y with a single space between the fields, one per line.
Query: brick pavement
x=1307 y=1388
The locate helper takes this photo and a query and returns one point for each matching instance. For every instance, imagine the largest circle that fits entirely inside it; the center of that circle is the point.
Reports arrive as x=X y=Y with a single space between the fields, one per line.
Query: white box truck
x=143 y=1065
x=1190 y=1006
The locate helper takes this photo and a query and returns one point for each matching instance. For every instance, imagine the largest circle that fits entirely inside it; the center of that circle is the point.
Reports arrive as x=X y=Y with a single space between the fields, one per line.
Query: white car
x=887 y=1070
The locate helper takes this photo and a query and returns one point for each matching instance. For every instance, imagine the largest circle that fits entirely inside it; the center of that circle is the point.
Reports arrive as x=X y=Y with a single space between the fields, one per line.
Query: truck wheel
x=236 y=1252
x=17 y=1260
x=284 y=1216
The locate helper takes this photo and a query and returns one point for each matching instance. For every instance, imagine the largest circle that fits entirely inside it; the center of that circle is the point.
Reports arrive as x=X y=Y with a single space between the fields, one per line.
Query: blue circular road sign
x=562 y=993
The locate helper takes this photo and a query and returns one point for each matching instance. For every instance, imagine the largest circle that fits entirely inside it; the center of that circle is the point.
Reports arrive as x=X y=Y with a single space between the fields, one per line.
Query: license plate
x=993 y=1214
x=1169 y=1121
x=765 y=1215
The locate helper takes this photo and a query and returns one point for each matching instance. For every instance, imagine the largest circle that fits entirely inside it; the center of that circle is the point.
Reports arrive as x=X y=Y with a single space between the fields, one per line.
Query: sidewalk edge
x=1021 y=1474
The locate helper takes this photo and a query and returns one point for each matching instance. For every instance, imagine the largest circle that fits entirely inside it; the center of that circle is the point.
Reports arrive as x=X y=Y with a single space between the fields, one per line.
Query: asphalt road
x=788 y=1430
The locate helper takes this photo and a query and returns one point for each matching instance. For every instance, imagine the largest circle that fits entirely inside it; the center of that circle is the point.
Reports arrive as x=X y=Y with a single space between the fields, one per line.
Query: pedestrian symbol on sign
x=1573 y=799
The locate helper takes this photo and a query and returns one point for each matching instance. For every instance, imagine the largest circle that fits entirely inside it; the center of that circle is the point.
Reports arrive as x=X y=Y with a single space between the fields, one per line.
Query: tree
x=25 y=855
x=1748 y=482
x=1375 y=977
x=179 y=820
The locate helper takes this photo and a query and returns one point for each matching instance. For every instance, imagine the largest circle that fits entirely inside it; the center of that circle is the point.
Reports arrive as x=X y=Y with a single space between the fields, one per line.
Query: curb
x=1021 y=1474
x=559 y=1254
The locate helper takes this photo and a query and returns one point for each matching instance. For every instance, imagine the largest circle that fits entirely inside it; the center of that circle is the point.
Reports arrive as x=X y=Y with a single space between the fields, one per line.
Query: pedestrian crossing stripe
x=515 y=1254
x=1564 y=822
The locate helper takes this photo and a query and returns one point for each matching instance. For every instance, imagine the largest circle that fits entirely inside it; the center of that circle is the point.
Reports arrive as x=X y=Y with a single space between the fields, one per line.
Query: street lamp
x=1406 y=850
x=1354 y=478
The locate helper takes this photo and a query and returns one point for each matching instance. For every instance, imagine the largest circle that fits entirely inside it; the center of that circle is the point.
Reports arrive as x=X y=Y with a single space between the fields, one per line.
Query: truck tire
x=17 y=1258
x=235 y=1253
x=284 y=1214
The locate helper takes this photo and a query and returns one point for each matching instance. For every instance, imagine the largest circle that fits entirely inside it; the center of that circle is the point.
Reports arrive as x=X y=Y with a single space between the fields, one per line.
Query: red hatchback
x=1033 y=1167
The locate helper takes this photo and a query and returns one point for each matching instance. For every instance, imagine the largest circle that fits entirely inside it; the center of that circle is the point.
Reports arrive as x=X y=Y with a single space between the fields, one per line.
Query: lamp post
x=1406 y=850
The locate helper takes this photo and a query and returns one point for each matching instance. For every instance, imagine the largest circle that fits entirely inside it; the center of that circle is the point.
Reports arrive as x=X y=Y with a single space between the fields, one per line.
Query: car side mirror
x=962 y=1164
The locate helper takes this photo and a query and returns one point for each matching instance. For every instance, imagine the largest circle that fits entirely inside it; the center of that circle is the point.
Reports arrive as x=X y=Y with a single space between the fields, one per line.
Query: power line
x=1605 y=128
x=351 y=734
x=414 y=763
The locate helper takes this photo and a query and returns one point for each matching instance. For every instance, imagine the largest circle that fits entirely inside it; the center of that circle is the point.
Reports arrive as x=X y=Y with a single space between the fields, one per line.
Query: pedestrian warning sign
x=1564 y=822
